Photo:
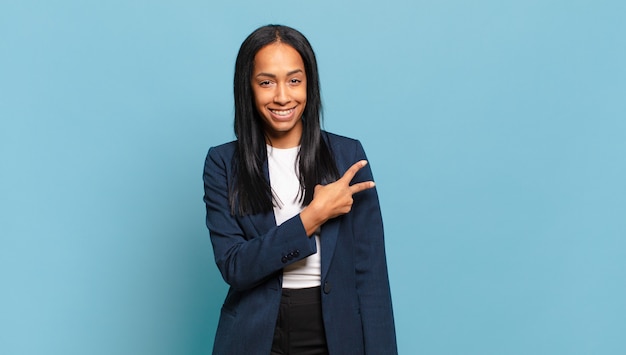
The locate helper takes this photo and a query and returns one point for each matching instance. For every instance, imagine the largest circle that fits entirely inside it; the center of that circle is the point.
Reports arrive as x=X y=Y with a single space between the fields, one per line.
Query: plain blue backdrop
x=496 y=131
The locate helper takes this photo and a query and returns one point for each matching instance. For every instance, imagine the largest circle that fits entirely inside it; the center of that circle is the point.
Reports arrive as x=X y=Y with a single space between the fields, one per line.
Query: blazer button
x=327 y=287
x=296 y=253
x=284 y=259
x=290 y=256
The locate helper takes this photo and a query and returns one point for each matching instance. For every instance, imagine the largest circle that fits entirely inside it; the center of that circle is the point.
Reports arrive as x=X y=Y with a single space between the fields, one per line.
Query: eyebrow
x=274 y=75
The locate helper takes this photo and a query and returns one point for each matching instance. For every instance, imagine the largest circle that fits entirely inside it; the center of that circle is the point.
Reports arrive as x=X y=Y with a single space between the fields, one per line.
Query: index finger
x=361 y=186
x=349 y=174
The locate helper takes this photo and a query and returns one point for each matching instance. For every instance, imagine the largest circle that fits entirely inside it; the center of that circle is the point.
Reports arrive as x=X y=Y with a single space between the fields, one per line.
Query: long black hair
x=251 y=192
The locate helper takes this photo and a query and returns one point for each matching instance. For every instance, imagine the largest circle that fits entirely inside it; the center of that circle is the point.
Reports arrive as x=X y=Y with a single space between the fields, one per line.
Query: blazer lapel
x=328 y=240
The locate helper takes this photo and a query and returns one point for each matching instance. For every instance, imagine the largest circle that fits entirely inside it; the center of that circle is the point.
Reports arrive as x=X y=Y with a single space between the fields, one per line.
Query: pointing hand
x=333 y=200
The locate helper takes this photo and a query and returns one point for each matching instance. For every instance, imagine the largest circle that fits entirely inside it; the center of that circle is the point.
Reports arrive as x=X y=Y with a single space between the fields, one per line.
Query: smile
x=282 y=112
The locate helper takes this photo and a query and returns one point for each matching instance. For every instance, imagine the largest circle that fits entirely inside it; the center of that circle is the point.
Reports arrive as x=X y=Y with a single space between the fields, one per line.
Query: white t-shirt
x=283 y=169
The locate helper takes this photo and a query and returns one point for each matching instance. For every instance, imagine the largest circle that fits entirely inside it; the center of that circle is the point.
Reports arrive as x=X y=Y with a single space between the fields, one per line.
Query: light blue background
x=496 y=131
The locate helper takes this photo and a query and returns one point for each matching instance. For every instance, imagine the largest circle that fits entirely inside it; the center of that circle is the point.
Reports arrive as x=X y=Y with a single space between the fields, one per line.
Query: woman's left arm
x=371 y=267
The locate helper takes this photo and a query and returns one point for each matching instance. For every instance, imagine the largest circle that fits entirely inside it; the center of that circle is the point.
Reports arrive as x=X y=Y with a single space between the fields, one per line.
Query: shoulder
x=342 y=143
x=345 y=150
x=220 y=157
x=223 y=151
x=226 y=148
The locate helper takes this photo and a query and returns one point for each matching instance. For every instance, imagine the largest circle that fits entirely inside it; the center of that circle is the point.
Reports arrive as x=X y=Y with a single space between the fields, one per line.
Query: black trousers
x=300 y=328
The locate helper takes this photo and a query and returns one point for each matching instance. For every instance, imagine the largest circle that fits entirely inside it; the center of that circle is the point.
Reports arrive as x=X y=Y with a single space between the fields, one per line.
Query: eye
x=265 y=83
x=295 y=81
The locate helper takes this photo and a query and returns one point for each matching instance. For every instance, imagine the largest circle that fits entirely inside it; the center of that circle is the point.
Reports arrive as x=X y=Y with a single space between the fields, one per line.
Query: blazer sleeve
x=371 y=268
x=247 y=256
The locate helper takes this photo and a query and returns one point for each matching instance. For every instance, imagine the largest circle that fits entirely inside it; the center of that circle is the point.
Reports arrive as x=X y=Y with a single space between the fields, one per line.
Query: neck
x=284 y=140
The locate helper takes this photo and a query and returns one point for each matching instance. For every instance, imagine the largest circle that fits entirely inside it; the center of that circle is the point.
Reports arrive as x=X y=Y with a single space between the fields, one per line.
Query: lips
x=282 y=112
x=283 y=115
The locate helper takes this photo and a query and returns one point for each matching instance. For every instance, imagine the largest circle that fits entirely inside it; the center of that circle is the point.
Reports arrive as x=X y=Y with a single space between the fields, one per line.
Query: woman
x=294 y=216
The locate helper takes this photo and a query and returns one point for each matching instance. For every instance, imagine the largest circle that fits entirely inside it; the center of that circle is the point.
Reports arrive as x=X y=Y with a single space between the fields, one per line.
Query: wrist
x=312 y=218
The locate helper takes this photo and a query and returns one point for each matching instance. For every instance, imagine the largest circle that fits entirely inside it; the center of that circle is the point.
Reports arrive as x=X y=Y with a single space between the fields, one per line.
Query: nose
x=282 y=95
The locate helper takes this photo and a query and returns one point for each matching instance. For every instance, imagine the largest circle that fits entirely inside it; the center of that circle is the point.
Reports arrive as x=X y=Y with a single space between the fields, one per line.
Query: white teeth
x=282 y=112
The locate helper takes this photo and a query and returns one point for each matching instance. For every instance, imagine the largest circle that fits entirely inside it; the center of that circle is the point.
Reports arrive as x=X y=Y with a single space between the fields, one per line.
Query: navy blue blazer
x=251 y=252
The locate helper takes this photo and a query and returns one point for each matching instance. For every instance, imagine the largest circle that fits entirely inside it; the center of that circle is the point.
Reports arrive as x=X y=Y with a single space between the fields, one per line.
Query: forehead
x=277 y=57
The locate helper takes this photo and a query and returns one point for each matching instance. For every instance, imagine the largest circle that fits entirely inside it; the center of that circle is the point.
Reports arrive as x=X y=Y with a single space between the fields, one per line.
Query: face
x=279 y=87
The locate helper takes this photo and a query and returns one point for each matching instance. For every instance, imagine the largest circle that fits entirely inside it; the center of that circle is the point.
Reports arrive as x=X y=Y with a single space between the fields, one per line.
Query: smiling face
x=279 y=87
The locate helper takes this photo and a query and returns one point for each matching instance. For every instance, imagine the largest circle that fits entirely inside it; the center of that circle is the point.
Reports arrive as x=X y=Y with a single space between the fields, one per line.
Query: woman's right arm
x=244 y=255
